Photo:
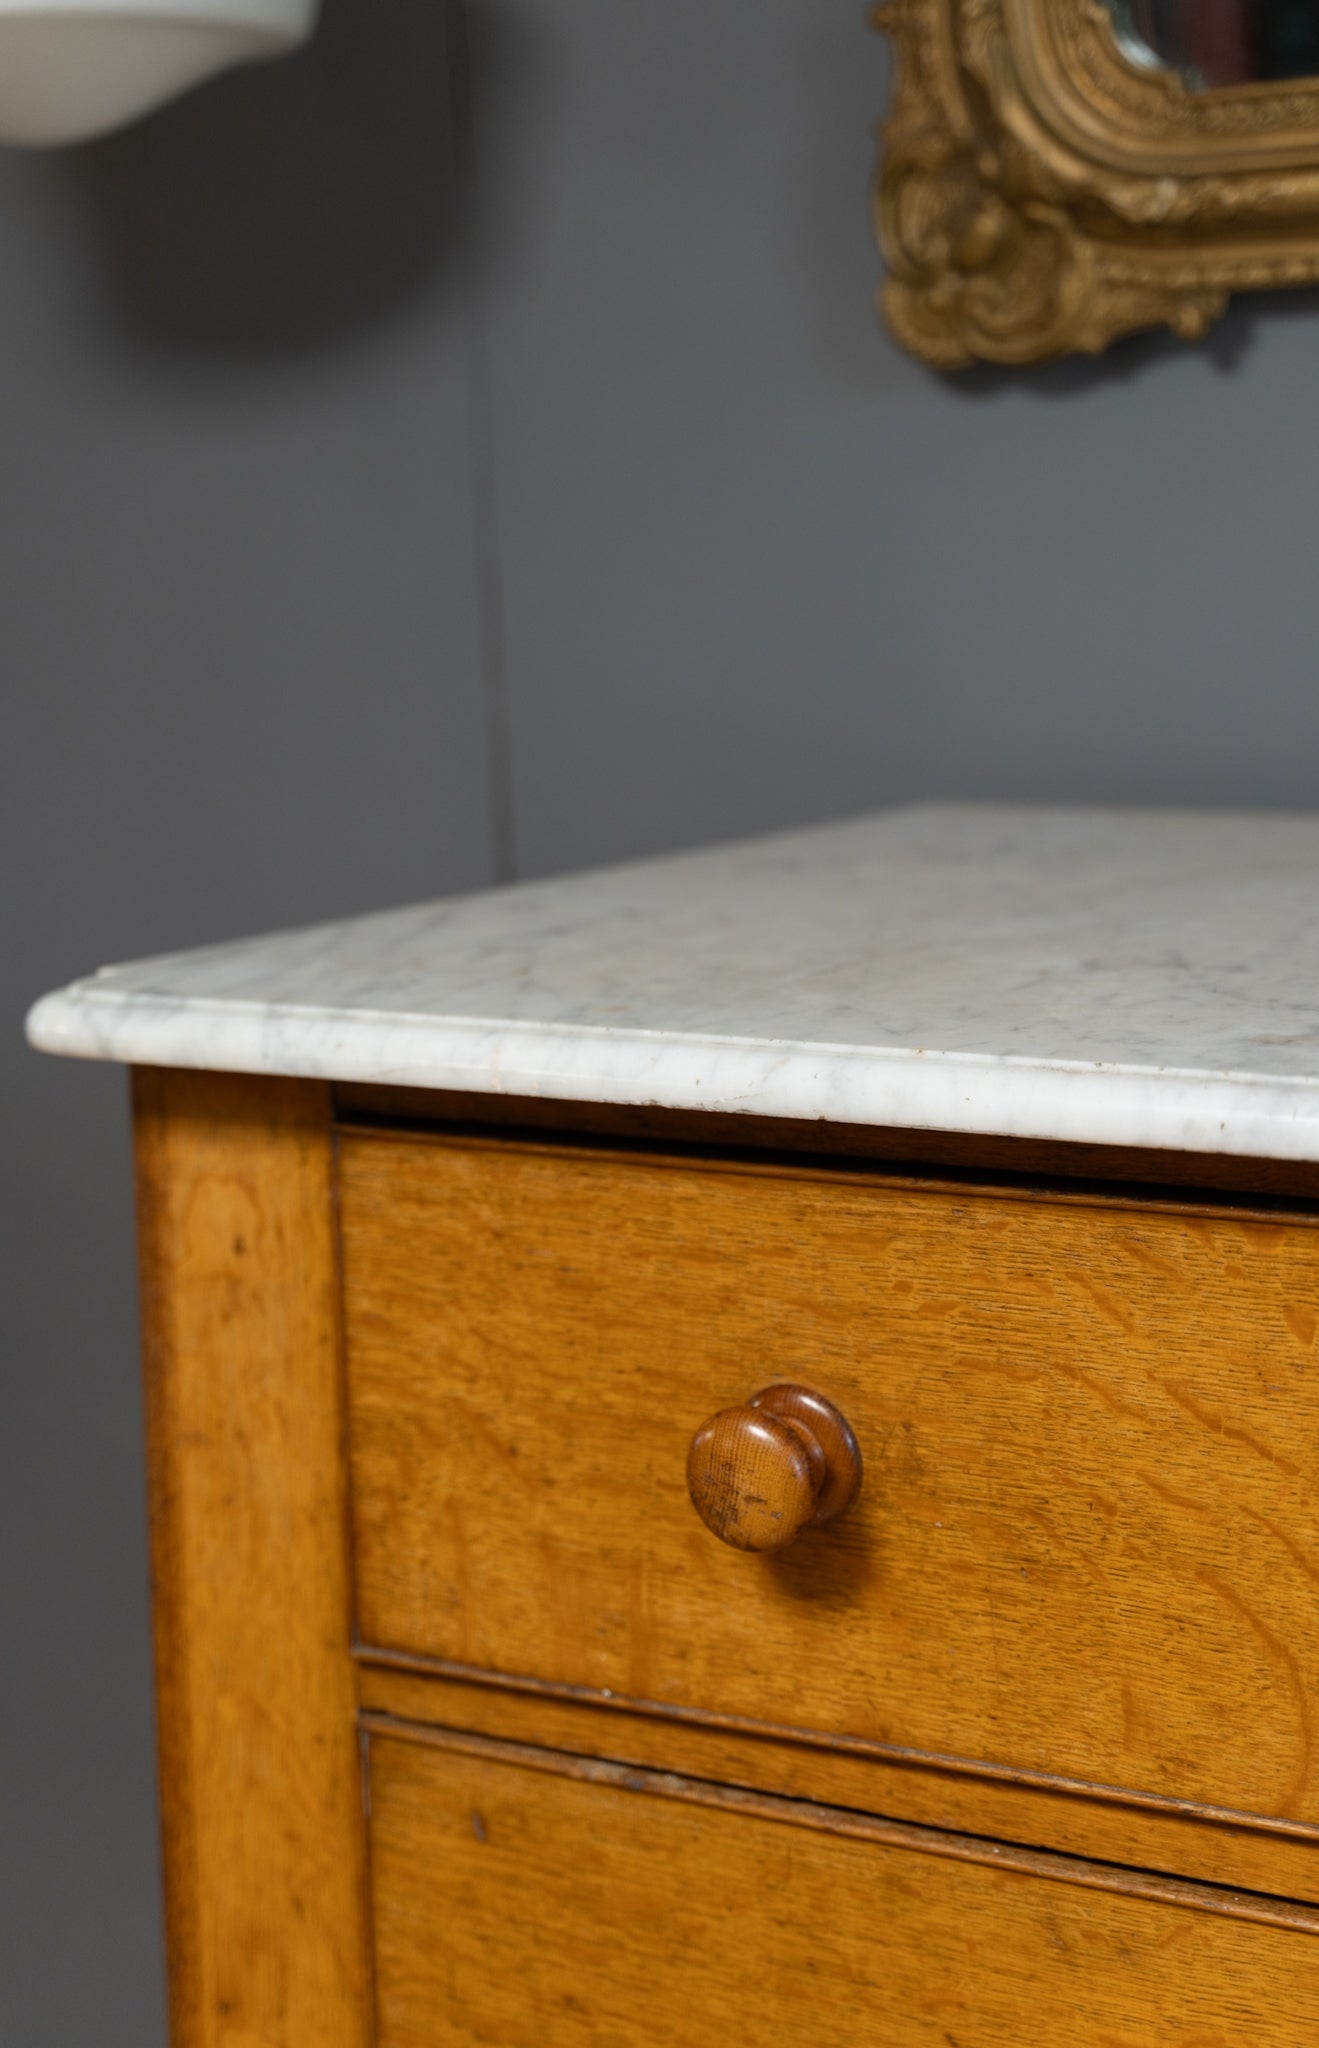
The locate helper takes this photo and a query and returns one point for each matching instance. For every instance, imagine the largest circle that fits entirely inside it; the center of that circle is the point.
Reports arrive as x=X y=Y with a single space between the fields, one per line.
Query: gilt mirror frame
x=1041 y=191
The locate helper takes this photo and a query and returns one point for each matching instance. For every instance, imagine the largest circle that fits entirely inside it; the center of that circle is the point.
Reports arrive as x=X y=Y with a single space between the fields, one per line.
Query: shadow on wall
x=288 y=207
x=1226 y=346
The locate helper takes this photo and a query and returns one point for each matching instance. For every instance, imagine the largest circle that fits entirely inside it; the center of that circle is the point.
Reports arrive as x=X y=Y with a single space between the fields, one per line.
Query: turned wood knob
x=761 y=1474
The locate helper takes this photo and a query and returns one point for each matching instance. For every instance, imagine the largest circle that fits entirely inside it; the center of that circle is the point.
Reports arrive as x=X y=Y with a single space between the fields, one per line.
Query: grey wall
x=242 y=686
x=388 y=500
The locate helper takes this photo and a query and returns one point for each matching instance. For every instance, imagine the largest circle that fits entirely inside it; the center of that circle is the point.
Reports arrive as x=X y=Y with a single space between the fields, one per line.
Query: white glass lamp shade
x=74 y=69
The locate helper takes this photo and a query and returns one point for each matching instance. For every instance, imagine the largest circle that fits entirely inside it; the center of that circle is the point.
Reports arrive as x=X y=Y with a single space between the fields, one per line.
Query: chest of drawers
x=459 y=1225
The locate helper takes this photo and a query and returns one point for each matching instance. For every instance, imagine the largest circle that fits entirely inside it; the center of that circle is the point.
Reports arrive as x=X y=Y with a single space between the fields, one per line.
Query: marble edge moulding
x=1040 y=193
x=977 y=1094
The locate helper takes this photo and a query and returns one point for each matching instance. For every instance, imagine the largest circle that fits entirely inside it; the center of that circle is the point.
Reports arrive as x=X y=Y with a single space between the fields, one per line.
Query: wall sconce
x=74 y=69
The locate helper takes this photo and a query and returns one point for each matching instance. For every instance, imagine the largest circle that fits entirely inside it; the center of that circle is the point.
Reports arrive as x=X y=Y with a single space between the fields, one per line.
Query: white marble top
x=1116 y=977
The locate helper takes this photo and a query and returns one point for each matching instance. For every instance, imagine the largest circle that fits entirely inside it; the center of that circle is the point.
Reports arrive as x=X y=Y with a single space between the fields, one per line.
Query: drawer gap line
x=838 y=1820
x=843 y=1745
x=1216 y=1184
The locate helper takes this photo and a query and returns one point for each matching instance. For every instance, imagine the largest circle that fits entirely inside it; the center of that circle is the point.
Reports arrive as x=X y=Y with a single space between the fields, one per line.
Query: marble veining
x=1104 y=976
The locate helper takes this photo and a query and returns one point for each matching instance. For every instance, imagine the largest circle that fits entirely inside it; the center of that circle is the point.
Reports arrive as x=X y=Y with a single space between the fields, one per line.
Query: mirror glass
x=1223 y=42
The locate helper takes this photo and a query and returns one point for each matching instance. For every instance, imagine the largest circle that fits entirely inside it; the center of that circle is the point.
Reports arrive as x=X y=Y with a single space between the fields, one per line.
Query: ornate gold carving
x=1039 y=194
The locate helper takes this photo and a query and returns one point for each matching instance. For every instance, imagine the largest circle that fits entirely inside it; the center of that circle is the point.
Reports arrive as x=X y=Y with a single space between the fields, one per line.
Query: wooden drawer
x=1087 y=1544
x=531 y=1900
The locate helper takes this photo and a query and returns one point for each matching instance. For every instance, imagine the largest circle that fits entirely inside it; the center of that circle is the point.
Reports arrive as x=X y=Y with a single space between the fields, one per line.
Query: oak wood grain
x=1088 y=1542
x=523 y=1900
x=1196 y=1843
x=260 y=1791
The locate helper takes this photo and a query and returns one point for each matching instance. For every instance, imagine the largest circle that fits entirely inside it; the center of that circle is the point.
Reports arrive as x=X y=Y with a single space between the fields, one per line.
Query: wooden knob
x=761 y=1474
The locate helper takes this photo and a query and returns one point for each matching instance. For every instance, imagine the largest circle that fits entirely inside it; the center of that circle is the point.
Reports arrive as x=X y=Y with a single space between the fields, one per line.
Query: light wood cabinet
x=483 y=1244
x=473 y=1732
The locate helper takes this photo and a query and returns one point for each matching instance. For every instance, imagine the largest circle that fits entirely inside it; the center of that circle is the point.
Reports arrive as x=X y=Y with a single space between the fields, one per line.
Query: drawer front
x=537 y=1909
x=1087 y=1541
